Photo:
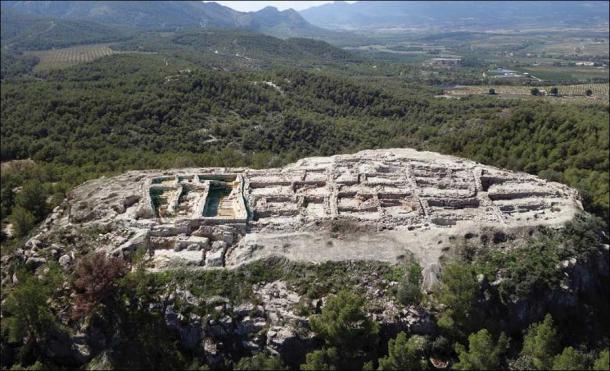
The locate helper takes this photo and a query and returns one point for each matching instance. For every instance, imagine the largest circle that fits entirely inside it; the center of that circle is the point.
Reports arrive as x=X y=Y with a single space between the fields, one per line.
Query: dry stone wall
x=376 y=204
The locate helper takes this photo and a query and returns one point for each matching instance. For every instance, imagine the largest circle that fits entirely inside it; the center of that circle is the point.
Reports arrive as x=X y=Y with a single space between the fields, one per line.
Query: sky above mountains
x=251 y=6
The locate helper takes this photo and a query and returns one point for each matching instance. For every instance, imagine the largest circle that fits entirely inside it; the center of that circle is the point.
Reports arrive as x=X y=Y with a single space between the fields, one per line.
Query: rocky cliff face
x=375 y=207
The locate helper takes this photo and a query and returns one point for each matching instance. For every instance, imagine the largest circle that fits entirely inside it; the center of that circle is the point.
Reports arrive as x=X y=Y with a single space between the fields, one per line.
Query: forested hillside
x=170 y=15
x=160 y=85
x=136 y=111
x=230 y=49
x=27 y=32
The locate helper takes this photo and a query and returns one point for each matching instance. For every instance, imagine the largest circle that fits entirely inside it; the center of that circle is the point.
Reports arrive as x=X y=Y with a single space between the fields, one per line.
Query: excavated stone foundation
x=378 y=205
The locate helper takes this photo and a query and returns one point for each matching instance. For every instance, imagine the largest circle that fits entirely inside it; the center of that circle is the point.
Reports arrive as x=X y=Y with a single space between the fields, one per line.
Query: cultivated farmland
x=599 y=91
x=64 y=57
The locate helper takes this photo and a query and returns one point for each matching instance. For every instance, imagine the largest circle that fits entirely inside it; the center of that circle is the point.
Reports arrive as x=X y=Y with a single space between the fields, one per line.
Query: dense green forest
x=131 y=111
x=14 y=64
x=238 y=49
x=26 y=32
x=196 y=97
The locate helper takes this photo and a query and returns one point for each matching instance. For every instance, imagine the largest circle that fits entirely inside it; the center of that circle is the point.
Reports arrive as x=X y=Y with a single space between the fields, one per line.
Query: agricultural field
x=578 y=47
x=64 y=57
x=600 y=90
x=554 y=73
x=565 y=92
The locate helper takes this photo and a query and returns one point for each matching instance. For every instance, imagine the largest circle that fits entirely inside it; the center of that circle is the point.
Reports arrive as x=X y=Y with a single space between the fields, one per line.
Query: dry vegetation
x=576 y=47
x=599 y=91
x=64 y=57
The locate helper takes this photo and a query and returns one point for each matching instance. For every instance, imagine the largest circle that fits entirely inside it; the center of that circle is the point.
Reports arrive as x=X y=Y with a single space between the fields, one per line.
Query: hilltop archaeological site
x=373 y=205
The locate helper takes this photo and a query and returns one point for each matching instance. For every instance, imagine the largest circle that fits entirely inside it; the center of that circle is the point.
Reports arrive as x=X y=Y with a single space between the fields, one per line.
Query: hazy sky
x=250 y=6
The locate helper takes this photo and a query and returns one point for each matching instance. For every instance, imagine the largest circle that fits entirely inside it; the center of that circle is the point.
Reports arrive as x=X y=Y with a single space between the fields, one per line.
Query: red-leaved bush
x=95 y=278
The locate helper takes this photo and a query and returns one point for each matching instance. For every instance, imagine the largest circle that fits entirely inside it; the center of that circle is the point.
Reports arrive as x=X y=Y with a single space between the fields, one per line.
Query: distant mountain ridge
x=450 y=14
x=30 y=32
x=170 y=15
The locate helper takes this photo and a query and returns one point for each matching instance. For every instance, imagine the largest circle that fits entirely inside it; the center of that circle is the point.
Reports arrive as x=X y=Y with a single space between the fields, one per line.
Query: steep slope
x=170 y=14
x=141 y=14
x=27 y=32
x=449 y=14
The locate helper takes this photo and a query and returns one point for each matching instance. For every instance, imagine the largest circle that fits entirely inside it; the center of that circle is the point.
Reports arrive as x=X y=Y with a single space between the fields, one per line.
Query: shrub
x=323 y=359
x=22 y=220
x=30 y=315
x=33 y=197
x=409 y=291
x=602 y=362
x=459 y=293
x=405 y=353
x=343 y=322
x=441 y=347
x=570 y=359
x=260 y=361
x=343 y=325
x=28 y=320
x=95 y=278
x=482 y=353
x=541 y=343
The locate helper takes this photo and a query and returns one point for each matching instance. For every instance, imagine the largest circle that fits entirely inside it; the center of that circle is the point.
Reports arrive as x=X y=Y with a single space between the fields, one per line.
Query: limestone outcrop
x=375 y=204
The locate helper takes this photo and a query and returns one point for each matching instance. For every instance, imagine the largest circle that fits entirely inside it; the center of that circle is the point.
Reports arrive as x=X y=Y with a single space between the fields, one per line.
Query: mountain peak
x=268 y=9
x=168 y=14
x=452 y=14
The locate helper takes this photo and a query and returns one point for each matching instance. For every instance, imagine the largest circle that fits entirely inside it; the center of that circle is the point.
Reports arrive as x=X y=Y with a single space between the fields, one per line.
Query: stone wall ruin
x=405 y=201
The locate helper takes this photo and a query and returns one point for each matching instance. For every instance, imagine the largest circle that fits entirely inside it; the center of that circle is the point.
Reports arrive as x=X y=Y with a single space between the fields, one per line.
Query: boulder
x=140 y=239
x=130 y=200
x=166 y=230
x=188 y=297
x=64 y=261
x=216 y=299
x=193 y=247
x=212 y=354
x=33 y=243
x=82 y=351
x=244 y=309
x=218 y=245
x=215 y=258
x=250 y=325
x=191 y=243
x=431 y=275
